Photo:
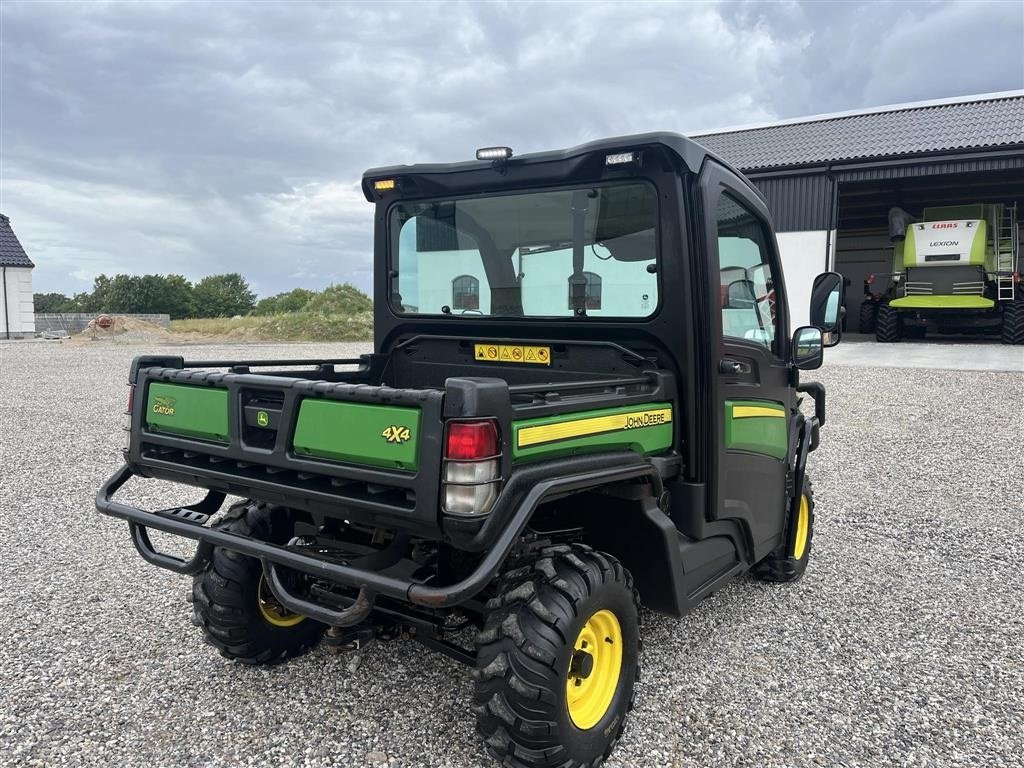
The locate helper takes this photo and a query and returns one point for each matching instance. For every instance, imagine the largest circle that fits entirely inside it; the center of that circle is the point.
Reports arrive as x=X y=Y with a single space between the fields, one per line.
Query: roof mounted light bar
x=494 y=153
x=620 y=158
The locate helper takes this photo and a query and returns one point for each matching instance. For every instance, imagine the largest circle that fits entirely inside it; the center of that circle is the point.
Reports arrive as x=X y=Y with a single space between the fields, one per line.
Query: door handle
x=734 y=367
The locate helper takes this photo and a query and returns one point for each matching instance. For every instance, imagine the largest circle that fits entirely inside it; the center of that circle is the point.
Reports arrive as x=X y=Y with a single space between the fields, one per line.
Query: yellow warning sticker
x=512 y=353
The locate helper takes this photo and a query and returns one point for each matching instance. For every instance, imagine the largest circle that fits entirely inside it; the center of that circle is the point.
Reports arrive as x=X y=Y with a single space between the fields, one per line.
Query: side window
x=747 y=292
x=465 y=292
x=593 y=290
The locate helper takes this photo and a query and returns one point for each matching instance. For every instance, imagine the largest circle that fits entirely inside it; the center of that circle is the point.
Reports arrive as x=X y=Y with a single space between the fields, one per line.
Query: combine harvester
x=957 y=270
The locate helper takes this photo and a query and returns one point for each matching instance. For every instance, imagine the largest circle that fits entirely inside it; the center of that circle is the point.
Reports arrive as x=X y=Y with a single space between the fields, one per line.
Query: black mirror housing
x=826 y=311
x=808 y=348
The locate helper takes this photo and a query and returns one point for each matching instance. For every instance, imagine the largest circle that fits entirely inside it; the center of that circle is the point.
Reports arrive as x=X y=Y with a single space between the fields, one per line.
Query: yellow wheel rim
x=272 y=611
x=803 y=519
x=594 y=670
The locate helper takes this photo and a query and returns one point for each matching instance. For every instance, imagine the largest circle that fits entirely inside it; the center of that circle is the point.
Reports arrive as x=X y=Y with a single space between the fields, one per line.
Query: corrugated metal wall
x=802 y=202
x=894 y=171
x=798 y=203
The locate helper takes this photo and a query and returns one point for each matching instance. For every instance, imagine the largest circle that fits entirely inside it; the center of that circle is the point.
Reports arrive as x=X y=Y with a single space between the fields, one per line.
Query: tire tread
x=515 y=677
x=220 y=598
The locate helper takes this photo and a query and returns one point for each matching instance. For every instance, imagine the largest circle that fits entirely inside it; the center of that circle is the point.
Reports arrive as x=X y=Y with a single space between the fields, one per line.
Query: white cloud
x=212 y=138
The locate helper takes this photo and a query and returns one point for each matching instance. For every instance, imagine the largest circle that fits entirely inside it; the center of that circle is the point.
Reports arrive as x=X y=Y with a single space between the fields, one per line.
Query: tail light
x=871 y=279
x=1016 y=277
x=472 y=467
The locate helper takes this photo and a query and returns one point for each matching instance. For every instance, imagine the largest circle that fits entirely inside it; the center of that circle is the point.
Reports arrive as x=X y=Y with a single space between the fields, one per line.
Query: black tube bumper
x=527 y=489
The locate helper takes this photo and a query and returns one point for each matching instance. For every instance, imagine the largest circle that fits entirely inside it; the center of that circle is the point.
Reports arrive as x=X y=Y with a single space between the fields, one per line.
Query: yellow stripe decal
x=750 y=411
x=595 y=425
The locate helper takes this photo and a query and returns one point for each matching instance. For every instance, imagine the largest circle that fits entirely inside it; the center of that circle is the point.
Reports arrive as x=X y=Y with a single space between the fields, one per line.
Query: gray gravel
x=901 y=646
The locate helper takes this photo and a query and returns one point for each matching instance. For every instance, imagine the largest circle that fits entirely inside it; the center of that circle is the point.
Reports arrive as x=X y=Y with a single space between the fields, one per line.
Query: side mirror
x=741 y=295
x=808 y=348
x=827 y=306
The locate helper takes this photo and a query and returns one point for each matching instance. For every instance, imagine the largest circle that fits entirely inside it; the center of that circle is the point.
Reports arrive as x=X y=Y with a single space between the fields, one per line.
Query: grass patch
x=291 y=326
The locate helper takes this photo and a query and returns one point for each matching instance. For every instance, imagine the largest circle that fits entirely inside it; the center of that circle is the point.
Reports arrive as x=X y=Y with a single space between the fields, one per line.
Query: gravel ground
x=901 y=646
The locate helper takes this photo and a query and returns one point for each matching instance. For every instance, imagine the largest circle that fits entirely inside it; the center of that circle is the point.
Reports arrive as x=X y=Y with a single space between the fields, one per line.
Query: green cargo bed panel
x=190 y=411
x=377 y=435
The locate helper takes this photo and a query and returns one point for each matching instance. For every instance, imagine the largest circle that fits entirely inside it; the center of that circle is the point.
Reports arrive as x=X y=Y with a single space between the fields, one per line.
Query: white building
x=17 y=317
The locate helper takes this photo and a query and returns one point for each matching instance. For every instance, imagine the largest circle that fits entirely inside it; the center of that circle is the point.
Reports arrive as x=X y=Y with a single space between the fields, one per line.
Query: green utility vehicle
x=956 y=270
x=583 y=399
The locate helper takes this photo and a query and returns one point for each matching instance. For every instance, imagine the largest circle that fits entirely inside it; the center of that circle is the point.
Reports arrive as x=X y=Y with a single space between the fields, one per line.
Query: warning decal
x=512 y=353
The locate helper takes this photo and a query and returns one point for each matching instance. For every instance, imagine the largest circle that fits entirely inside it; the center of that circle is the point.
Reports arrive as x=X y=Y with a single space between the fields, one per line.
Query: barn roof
x=899 y=130
x=11 y=252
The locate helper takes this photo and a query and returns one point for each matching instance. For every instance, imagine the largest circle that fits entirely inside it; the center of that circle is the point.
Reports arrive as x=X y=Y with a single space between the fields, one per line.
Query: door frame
x=713 y=181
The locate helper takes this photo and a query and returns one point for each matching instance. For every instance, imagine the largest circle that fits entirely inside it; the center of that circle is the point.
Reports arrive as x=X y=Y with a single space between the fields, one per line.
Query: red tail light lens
x=471 y=440
x=871 y=279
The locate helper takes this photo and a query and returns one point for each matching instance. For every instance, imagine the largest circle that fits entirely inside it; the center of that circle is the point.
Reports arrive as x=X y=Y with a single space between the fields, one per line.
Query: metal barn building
x=17 y=320
x=830 y=180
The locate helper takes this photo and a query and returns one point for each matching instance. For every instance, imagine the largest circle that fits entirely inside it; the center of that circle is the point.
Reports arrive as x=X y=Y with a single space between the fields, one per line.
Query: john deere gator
x=583 y=398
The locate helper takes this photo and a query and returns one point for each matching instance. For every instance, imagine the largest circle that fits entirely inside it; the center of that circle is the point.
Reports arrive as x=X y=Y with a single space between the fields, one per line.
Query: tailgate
x=336 y=447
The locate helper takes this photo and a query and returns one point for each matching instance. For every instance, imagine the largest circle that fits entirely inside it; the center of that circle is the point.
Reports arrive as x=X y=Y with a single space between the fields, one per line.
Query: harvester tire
x=557 y=659
x=888 y=326
x=1012 y=331
x=868 y=313
x=234 y=607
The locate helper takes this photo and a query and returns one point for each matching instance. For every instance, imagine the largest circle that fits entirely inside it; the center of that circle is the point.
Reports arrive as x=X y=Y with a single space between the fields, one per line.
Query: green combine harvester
x=956 y=270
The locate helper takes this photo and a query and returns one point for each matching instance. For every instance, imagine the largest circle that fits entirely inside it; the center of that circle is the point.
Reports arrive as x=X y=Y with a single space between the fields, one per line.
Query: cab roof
x=688 y=153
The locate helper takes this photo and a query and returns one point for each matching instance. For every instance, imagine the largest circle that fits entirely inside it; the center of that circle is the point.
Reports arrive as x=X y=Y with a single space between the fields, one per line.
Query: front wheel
x=1012 y=331
x=557 y=660
x=868 y=312
x=789 y=560
x=888 y=325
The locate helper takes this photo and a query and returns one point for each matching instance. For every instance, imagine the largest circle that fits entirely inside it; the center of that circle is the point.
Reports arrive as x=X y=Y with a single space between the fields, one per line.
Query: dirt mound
x=121 y=328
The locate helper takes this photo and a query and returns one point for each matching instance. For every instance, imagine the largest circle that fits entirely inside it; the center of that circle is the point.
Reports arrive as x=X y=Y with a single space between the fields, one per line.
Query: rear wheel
x=234 y=606
x=789 y=561
x=557 y=660
x=1012 y=331
x=868 y=312
x=888 y=325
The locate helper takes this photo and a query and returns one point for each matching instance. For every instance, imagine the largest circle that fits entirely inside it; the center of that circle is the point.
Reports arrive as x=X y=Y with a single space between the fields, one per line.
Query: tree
x=122 y=293
x=50 y=302
x=168 y=294
x=97 y=300
x=291 y=301
x=223 y=296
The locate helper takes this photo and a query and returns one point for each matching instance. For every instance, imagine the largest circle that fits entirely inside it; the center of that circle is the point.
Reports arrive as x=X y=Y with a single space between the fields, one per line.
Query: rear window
x=588 y=251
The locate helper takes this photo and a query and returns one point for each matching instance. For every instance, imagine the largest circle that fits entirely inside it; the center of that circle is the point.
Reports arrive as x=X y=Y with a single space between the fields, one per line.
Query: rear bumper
x=520 y=497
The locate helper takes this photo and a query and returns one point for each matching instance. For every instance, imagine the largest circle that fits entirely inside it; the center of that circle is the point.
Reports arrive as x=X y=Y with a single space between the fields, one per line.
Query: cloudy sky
x=201 y=138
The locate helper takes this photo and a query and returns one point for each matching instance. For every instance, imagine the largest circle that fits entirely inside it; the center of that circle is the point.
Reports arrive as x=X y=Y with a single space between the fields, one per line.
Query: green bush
x=339 y=300
x=291 y=301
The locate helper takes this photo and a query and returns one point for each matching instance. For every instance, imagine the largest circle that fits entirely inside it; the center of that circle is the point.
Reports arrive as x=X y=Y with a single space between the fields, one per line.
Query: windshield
x=583 y=252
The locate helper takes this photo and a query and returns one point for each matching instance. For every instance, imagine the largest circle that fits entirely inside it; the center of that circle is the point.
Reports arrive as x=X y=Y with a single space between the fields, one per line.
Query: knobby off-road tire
x=868 y=312
x=888 y=325
x=532 y=650
x=1012 y=331
x=234 y=608
x=789 y=561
